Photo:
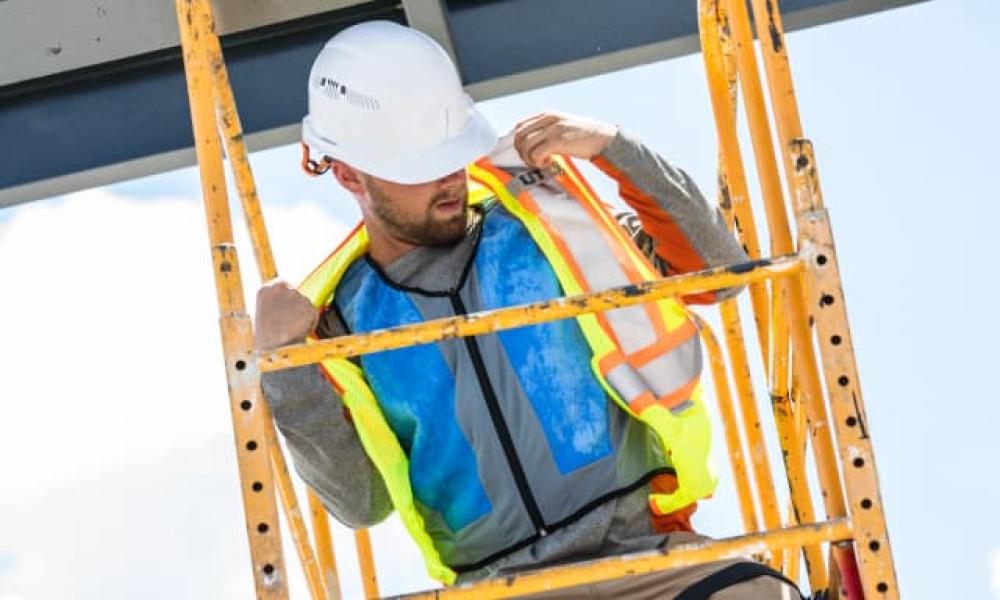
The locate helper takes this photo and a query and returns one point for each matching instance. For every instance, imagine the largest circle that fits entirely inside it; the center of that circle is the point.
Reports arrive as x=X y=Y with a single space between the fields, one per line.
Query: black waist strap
x=730 y=576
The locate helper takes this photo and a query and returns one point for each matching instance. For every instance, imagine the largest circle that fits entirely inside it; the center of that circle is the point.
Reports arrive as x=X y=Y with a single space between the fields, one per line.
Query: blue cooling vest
x=509 y=435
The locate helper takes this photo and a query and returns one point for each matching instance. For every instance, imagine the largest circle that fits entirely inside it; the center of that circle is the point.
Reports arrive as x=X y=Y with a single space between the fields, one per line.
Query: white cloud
x=119 y=478
x=110 y=332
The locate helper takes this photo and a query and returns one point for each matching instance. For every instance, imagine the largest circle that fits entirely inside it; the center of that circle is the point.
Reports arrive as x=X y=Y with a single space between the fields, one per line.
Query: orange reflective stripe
x=503 y=176
x=668 y=401
x=609 y=219
x=644 y=401
x=663 y=345
x=557 y=239
x=618 y=248
x=674 y=247
x=626 y=240
x=611 y=361
x=598 y=216
x=678 y=397
x=679 y=520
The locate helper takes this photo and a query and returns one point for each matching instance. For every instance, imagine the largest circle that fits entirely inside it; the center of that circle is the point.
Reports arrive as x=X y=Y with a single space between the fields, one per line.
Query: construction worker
x=533 y=446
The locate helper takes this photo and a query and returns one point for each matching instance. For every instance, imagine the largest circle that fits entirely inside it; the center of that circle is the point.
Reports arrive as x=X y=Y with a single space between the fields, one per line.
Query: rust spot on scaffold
x=725 y=196
x=860 y=417
x=798 y=147
x=748 y=266
x=772 y=28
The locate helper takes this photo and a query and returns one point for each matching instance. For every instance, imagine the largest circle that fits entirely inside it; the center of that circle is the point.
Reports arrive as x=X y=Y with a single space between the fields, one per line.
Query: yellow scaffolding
x=796 y=298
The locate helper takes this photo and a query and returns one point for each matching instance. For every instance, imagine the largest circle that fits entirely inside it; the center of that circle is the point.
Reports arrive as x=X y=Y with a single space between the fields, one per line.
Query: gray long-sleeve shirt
x=673 y=224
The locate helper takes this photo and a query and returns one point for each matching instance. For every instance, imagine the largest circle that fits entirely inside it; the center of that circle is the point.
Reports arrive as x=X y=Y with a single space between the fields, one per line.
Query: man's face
x=422 y=214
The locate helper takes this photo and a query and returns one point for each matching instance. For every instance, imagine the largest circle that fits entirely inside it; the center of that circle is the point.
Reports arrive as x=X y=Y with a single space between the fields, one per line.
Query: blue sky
x=118 y=485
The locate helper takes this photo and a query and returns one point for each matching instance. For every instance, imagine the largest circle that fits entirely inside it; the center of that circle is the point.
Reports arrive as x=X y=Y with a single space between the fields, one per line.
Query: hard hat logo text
x=337 y=90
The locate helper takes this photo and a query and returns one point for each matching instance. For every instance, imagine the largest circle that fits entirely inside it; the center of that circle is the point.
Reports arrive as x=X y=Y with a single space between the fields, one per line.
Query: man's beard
x=427 y=231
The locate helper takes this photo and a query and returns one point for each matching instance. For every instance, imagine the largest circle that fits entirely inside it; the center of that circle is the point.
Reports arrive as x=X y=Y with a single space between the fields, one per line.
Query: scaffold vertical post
x=324 y=546
x=232 y=136
x=366 y=560
x=257 y=483
x=731 y=427
x=719 y=57
x=720 y=68
x=824 y=293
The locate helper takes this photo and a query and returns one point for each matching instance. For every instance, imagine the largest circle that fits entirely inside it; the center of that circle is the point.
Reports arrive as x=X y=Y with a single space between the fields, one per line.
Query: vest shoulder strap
x=320 y=285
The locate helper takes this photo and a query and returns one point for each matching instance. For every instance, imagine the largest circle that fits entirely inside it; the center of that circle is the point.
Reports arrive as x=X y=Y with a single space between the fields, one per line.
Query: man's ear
x=348 y=177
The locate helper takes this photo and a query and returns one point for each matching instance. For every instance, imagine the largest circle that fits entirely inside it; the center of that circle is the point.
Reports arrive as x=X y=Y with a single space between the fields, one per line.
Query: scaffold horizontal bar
x=680 y=555
x=528 y=314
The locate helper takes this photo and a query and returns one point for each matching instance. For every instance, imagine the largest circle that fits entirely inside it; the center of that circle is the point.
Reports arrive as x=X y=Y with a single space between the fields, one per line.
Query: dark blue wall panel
x=494 y=38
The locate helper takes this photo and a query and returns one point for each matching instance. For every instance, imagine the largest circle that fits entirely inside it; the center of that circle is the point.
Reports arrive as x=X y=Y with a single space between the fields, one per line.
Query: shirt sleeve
x=677 y=227
x=323 y=442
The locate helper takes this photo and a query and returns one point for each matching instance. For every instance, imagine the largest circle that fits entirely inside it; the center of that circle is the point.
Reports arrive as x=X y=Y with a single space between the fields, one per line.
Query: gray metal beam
x=128 y=118
x=39 y=38
x=429 y=16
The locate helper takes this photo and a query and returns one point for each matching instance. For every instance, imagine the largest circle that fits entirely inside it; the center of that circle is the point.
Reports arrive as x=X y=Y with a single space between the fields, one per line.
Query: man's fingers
x=534 y=119
x=538 y=138
x=541 y=154
x=540 y=122
x=526 y=136
x=274 y=286
x=284 y=315
x=545 y=139
x=539 y=148
x=527 y=132
x=280 y=295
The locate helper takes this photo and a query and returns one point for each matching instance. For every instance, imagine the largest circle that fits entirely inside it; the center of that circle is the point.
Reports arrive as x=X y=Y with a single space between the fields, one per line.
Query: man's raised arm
x=687 y=233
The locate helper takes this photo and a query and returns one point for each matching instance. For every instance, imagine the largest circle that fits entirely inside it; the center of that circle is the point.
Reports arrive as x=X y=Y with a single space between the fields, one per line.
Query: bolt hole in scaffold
x=797 y=305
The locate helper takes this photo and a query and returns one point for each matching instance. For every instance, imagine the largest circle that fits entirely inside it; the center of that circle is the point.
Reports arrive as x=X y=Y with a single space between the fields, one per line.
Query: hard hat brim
x=475 y=140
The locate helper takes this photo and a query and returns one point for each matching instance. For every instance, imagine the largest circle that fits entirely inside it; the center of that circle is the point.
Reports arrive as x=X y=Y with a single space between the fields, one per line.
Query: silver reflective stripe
x=632 y=327
x=626 y=382
x=596 y=261
x=672 y=370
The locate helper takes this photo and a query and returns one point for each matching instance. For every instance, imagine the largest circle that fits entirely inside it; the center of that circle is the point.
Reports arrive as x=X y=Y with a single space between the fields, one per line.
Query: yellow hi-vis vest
x=647 y=357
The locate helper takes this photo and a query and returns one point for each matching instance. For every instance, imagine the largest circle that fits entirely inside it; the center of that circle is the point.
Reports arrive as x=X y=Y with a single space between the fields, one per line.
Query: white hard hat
x=387 y=100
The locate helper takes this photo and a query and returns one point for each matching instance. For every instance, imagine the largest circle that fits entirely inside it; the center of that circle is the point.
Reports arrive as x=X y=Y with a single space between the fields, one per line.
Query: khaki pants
x=664 y=585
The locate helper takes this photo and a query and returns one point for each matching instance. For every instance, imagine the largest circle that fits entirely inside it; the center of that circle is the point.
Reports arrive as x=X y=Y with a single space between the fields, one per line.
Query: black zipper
x=499 y=424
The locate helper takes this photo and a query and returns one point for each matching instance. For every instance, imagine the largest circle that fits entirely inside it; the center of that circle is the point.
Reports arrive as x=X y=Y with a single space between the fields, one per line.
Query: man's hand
x=538 y=138
x=284 y=316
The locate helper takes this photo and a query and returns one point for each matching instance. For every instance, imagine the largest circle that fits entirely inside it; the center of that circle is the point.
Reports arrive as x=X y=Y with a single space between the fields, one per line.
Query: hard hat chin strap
x=312 y=167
